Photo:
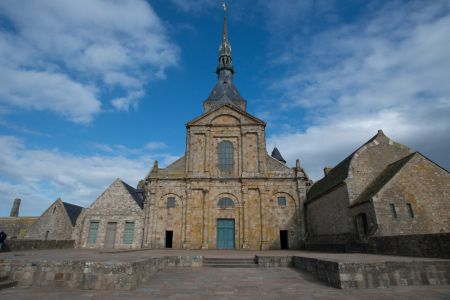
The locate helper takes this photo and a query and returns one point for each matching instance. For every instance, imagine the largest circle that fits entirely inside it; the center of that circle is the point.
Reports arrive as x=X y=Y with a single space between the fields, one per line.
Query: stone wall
x=329 y=215
x=16 y=227
x=91 y=275
x=420 y=245
x=369 y=161
x=115 y=205
x=425 y=245
x=257 y=214
x=423 y=185
x=53 y=224
x=19 y=245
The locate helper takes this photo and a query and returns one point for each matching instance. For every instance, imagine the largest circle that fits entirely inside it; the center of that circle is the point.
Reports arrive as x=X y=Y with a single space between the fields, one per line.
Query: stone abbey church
x=226 y=192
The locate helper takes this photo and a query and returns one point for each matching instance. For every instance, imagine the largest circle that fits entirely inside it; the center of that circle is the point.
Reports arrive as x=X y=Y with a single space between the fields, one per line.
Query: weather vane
x=224 y=6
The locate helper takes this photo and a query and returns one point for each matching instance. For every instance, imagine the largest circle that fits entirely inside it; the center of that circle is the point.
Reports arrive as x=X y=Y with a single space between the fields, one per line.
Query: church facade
x=226 y=192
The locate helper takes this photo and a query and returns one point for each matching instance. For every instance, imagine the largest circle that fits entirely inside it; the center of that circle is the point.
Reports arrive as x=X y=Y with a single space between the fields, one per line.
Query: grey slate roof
x=137 y=194
x=73 y=211
x=336 y=176
x=277 y=155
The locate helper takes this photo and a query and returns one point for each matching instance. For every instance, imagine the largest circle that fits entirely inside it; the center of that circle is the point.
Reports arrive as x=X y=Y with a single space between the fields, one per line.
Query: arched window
x=225 y=202
x=226 y=156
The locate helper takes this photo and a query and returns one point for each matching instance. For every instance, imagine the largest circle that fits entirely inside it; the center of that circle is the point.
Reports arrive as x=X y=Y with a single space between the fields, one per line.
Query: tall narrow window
x=410 y=210
x=128 y=234
x=170 y=202
x=93 y=230
x=393 y=210
x=226 y=156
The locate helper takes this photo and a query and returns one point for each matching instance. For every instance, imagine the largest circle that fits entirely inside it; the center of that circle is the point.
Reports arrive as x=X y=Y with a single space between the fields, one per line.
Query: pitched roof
x=234 y=107
x=136 y=194
x=224 y=92
x=73 y=211
x=337 y=175
x=381 y=180
x=277 y=155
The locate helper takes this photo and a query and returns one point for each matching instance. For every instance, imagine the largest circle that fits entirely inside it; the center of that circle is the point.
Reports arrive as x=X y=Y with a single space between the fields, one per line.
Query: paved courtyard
x=228 y=283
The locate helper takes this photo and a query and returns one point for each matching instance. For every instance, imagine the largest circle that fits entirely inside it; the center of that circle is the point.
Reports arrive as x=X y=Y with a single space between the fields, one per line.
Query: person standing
x=2 y=240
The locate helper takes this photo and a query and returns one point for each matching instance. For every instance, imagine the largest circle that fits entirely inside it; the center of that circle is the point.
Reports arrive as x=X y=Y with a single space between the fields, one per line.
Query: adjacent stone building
x=381 y=189
x=56 y=223
x=114 y=220
x=15 y=226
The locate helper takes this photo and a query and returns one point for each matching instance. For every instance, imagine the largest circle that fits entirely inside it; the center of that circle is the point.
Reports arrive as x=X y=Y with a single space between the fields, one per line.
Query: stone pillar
x=15 y=208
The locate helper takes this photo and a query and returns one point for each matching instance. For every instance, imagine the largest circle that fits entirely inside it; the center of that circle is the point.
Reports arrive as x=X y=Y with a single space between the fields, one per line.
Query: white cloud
x=60 y=55
x=156 y=145
x=195 y=5
x=387 y=72
x=39 y=176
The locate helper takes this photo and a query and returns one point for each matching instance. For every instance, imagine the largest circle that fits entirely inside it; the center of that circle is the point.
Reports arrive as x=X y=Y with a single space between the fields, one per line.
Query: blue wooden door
x=225 y=234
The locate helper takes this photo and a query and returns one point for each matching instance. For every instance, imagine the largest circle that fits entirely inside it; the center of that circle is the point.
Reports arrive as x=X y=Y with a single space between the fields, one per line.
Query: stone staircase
x=229 y=262
x=6 y=283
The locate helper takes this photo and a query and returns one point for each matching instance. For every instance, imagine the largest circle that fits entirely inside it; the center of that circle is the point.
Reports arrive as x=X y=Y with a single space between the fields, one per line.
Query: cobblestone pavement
x=229 y=283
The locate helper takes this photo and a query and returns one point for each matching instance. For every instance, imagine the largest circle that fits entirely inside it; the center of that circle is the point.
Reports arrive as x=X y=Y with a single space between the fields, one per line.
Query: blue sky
x=92 y=90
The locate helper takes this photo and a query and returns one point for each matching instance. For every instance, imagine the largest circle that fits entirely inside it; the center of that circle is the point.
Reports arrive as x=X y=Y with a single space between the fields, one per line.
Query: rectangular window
x=282 y=201
x=93 y=230
x=410 y=210
x=170 y=202
x=128 y=234
x=393 y=210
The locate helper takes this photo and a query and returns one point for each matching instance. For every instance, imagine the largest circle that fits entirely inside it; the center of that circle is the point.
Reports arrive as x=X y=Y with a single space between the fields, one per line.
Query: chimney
x=15 y=208
x=327 y=170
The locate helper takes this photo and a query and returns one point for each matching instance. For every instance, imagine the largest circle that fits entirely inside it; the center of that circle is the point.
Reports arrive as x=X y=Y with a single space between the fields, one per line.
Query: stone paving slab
x=127 y=256
x=206 y=283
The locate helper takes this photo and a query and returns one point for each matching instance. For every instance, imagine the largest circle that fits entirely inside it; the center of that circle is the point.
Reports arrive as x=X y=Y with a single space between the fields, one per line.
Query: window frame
x=225 y=202
x=171 y=202
x=283 y=201
x=93 y=232
x=128 y=234
x=410 y=210
x=225 y=157
x=393 y=210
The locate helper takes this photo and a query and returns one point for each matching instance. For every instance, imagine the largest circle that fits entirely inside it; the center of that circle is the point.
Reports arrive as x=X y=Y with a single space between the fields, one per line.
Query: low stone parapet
x=88 y=275
x=22 y=244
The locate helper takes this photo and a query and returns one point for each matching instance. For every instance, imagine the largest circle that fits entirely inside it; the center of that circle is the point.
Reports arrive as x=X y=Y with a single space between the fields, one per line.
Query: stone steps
x=6 y=283
x=234 y=262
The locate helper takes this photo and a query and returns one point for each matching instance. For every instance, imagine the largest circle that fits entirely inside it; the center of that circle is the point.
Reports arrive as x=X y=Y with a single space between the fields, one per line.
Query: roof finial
x=225 y=60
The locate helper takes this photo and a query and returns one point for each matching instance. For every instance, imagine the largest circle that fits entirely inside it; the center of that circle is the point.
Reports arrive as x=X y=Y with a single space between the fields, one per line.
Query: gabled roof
x=233 y=107
x=381 y=180
x=337 y=175
x=73 y=211
x=136 y=194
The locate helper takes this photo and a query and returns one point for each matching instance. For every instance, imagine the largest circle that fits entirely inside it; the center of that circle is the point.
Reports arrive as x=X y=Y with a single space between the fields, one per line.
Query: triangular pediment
x=226 y=114
x=118 y=196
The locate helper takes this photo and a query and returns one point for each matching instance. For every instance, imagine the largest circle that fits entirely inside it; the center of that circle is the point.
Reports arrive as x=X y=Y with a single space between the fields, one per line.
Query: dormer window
x=226 y=156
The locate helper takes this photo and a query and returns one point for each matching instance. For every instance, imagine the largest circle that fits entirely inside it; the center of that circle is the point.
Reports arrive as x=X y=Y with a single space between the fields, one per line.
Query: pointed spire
x=224 y=92
x=225 y=60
